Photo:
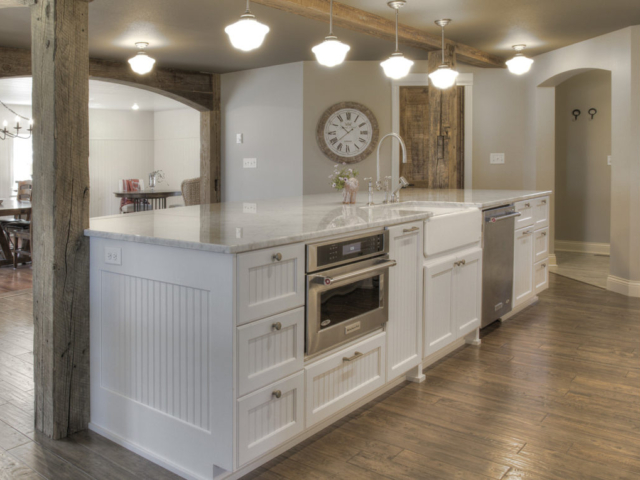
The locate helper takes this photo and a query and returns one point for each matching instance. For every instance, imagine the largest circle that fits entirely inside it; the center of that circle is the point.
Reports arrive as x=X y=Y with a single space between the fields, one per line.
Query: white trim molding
x=422 y=79
x=553 y=260
x=630 y=288
x=582 y=247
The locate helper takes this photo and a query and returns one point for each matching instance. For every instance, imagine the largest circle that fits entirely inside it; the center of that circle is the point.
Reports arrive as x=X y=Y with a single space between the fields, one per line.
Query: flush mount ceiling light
x=519 y=64
x=142 y=63
x=332 y=51
x=444 y=77
x=397 y=66
x=247 y=33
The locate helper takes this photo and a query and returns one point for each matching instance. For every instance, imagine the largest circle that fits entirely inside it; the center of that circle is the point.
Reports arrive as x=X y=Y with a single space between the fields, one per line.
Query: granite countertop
x=233 y=228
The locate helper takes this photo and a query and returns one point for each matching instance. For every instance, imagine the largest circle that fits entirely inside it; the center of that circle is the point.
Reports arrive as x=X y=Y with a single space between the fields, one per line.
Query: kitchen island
x=198 y=320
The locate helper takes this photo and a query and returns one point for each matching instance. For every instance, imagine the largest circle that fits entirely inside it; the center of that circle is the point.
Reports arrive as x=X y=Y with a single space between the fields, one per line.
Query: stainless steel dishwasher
x=497 y=262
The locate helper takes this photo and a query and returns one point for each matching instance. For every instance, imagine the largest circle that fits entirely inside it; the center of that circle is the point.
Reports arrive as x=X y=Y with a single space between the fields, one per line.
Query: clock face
x=347 y=132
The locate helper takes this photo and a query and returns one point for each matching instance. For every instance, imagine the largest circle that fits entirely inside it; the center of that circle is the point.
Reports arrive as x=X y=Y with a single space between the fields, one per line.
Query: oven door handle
x=331 y=280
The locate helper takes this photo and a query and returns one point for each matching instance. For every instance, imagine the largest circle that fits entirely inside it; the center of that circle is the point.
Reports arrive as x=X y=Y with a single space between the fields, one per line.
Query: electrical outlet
x=608 y=159
x=249 y=163
x=496 y=158
x=113 y=256
x=249 y=208
x=239 y=138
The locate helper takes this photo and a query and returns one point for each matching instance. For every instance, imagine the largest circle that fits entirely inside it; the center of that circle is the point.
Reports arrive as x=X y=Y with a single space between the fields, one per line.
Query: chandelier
x=5 y=132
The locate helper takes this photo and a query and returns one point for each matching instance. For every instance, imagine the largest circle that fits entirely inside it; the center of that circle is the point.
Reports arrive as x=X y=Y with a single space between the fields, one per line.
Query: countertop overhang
x=237 y=227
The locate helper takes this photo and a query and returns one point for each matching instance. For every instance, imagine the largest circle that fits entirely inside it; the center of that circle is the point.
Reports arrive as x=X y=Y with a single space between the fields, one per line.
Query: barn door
x=432 y=125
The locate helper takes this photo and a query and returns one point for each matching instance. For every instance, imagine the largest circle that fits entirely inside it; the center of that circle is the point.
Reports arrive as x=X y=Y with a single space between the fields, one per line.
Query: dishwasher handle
x=504 y=217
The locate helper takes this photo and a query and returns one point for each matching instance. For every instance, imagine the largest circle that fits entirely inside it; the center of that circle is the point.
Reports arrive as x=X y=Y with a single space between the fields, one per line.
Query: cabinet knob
x=544 y=234
x=527 y=232
x=409 y=230
x=527 y=205
x=544 y=202
x=276 y=326
x=277 y=394
x=544 y=265
x=277 y=257
x=464 y=262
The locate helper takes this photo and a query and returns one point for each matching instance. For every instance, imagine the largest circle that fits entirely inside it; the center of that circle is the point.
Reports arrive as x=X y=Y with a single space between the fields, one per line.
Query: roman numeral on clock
x=362 y=124
x=364 y=132
x=340 y=118
x=333 y=132
x=339 y=147
x=346 y=147
x=362 y=140
x=334 y=141
x=348 y=115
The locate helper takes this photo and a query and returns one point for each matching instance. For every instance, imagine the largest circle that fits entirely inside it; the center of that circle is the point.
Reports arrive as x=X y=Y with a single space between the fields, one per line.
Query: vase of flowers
x=344 y=179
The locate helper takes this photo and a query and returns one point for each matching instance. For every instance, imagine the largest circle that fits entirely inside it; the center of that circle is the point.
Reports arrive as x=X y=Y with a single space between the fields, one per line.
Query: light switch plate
x=496 y=158
x=239 y=138
x=249 y=163
x=608 y=159
x=249 y=208
x=113 y=256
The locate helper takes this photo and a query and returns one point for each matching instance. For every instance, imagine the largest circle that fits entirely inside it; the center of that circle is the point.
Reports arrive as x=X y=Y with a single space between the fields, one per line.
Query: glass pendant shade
x=247 y=33
x=444 y=77
x=519 y=64
x=142 y=63
x=331 y=52
x=397 y=66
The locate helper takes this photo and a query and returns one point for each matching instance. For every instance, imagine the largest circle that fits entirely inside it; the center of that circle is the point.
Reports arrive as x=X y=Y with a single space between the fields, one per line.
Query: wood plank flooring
x=552 y=394
x=584 y=267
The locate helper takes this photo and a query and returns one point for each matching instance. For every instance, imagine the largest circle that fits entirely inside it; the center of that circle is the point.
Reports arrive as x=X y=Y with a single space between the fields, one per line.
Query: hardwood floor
x=552 y=394
x=12 y=280
x=584 y=267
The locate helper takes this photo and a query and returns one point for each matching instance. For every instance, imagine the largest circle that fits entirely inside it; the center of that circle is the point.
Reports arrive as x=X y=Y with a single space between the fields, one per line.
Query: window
x=22 y=160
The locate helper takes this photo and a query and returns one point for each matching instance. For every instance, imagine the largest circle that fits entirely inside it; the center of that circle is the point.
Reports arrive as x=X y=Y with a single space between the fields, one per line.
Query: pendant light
x=247 y=33
x=519 y=64
x=397 y=66
x=142 y=63
x=332 y=51
x=444 y=77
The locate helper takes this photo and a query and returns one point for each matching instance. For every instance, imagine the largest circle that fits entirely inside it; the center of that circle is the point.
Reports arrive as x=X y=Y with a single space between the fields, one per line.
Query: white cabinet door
x=335 y=382
x=523 y=266
x=270 y=417
x=270 y=281
x=467 y=288
x=541 y=244
x=439 y=324
x=525 y=208
x=541 y=276
x=540 y=212
x=404 y=332
x=270 y=349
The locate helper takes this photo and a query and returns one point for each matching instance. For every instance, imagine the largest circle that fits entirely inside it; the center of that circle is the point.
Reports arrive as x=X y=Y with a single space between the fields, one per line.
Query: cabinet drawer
x=337 y=381
x=270 y=417
x=541 y=244
x=270 y=281
x=541 y=276
x=523 y=266
x=541 y=212
x=270 y=349
x=525 y=219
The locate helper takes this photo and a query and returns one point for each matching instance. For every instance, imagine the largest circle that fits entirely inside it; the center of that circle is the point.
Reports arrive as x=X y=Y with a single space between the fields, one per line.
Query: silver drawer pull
x=276 y=326
x=276 y=257
x=544 y=202
x=349 y=359
x=409 y=230
x=527 y=205
x=460 y=263
x=544 y=265
x=456 y=264
x=277 y=394
x=527 y=232
x=544 y=234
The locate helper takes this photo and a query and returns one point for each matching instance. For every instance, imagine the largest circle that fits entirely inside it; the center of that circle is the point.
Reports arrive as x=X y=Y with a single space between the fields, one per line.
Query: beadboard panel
x=111 y=160
x=268 y=282
x=438 y=303
x=155 y=346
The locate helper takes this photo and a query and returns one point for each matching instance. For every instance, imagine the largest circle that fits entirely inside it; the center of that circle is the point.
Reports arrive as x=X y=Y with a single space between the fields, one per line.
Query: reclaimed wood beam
x=16 y=3
x=210 y=153
x=361 y=21
x=60 y=43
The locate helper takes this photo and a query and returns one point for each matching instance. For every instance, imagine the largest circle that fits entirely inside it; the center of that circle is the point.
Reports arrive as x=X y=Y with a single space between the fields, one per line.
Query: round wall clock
x=347 y=132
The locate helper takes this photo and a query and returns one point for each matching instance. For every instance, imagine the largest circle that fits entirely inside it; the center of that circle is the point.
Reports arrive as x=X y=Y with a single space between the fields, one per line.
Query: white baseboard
x=582 y=247
x=553 y=260
x=630 y=288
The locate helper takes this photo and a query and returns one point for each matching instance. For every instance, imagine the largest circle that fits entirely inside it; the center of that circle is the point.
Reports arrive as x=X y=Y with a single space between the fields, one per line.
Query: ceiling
x=190 y=33
x=102 y=95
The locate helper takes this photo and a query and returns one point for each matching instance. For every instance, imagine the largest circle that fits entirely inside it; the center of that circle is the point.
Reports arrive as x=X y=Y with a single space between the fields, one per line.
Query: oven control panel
x=345 y=251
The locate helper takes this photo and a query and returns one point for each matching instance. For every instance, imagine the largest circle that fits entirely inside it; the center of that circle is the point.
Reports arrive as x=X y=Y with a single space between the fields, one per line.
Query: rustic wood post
x=210 y=143
x=60 y=63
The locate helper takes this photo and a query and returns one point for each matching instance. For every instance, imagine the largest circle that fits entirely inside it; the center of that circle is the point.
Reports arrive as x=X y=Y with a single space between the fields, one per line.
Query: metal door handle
x=504 y=217
x=277 y=394
x=527 y=232
x=276 y=326
x=349 y=359
x=347 y=276
x=409 y=230
x=276 y=257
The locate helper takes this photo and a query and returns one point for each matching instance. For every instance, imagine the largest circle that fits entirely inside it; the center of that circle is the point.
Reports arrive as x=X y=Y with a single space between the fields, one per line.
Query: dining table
x=156 y=197
x=10 y=207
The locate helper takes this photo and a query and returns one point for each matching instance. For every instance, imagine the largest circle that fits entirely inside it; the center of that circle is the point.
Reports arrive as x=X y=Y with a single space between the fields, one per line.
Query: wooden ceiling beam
x=357 y=20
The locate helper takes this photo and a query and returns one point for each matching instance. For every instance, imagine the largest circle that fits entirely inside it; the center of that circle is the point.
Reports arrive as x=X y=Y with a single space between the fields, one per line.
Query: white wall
x=7 y=186
x=121 y=145
x=265 y=105
x=177 y=147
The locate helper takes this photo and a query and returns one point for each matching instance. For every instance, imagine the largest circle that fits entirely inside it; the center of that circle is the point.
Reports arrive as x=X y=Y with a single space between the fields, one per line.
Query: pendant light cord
x=248 y=9
x=443 y=44
x=396 y=30
x=331 y=17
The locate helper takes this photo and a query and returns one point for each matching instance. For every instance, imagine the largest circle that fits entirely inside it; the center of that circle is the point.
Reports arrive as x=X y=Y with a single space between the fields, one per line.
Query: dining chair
x=18 y=230
x=131 y=185
x=191 y=191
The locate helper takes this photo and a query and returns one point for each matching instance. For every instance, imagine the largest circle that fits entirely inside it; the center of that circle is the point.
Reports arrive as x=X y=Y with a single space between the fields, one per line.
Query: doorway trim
x=422 y=80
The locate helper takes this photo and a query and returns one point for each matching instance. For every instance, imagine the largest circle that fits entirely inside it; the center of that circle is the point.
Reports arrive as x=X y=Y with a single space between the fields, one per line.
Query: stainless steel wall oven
x=347 y=289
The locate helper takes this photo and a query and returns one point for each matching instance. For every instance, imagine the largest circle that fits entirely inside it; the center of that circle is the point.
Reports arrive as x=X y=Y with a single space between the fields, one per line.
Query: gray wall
x=583 y=178
x=265 y=105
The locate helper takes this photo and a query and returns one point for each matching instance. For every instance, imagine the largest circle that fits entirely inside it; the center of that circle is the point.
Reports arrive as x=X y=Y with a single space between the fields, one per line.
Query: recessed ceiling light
x=135 y=106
